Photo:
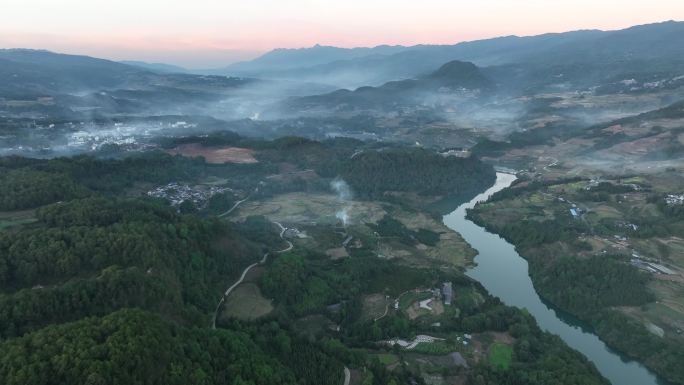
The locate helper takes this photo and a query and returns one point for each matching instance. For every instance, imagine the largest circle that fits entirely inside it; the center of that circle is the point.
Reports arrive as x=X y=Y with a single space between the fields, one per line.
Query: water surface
x=503 y=272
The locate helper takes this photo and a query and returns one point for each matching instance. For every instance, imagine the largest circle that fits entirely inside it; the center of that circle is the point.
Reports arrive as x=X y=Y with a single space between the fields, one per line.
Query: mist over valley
x=497 y=211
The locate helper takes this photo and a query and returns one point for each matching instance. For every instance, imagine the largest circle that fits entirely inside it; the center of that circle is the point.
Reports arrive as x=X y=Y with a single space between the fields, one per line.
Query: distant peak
x=460 y=73
x=455 y=67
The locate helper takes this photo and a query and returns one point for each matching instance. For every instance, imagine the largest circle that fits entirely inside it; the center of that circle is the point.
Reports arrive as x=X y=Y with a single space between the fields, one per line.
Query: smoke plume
x=344 y=194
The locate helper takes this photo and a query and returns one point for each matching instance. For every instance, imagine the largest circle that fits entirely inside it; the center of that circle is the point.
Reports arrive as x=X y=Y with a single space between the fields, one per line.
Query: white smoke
x=344 y=194
x=343 y=215
x=342 y=189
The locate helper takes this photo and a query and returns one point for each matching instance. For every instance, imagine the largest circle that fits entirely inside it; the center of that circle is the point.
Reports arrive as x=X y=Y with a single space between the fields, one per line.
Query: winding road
x=248 y=268
x=347 y=375
x=290 y=246
x=238 y=203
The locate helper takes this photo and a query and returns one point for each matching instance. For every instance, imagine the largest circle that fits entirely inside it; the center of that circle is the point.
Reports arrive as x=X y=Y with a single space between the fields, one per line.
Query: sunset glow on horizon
x=209 y=33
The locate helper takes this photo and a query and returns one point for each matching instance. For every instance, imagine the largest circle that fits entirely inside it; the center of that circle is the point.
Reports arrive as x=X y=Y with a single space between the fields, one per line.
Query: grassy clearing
x=246 y=303
x=500 y=356
x=634 y=179
x=605 y=211
x=387 y=358
x=467 y=297
x=308 y=208
x=315 y=211
x=451 y=247
x=399 y=280
x=374 y=306
x=670 y=295
x=408 y=298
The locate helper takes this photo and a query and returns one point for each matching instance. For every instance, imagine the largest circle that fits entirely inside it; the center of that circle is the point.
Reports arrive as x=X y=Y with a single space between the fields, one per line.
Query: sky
x=212 y=33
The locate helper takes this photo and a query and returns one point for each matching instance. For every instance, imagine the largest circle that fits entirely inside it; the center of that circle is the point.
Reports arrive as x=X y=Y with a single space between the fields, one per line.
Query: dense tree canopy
x=584 y=286
x=373 y=173
x=135 y=347
x=107 y=289
x=94 y=255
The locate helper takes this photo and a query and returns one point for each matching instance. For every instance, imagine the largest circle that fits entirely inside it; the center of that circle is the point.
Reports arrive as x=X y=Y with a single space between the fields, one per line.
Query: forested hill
x=92 y=256
x=120 y=291
x=375 y=173
x=29 y=183
x=130 y=346
x=452 y=78
x=105 y=285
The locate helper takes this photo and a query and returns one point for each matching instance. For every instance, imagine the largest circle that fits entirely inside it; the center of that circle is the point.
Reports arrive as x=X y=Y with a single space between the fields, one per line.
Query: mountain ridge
x=558 y=48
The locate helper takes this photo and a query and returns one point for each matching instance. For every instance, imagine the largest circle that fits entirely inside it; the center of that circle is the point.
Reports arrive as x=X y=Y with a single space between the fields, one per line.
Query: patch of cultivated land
x=216 y=155
x=387 y=358
x=316 y=213
x=311 y=207
x=375 y=306
x=648 y=145
x=500 y=355
x=246 y=303
x=451 y=248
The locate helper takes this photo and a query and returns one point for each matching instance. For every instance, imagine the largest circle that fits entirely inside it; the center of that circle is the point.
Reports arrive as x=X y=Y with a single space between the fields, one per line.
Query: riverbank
x=582 y=264
x=504 y=273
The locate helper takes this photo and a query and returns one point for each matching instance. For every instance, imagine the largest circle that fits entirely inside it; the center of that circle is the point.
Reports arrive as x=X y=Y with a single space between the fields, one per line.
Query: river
x=503 y=272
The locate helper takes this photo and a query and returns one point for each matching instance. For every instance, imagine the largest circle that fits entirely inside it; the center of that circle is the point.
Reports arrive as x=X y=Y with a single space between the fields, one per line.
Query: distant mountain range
x=285 y=58
x=554 y=57
x=157 y=67
x=26 y=73
x=297 y=81
x=36 y=72
x=628 y=49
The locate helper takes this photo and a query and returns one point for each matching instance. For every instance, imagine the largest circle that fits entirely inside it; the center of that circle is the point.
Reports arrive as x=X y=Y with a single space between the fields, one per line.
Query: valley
x=502 y=211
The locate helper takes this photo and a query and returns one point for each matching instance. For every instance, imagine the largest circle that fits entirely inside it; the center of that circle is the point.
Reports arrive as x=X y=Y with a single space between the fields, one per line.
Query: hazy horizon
x=211 y=33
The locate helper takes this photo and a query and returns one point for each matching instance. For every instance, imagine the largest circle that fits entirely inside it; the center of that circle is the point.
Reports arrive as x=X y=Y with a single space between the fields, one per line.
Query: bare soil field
x=374 y=306
x=337 y=253
x=216 y=155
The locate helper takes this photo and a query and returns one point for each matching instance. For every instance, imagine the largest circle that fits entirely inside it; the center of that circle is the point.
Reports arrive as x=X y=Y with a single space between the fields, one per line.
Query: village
x=177 y=193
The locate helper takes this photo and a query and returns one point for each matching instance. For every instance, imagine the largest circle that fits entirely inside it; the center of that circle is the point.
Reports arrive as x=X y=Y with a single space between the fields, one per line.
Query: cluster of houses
x=94 y=141
x=575 y=211
x=422 y=338
x=629 y=226
x=177 y=193
x=446 y=293
x=649 y=266
x=465 y=340
x=595 y=182
x=127 y=136
x=427 y=339
x=292 y=232
x=674 y=200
